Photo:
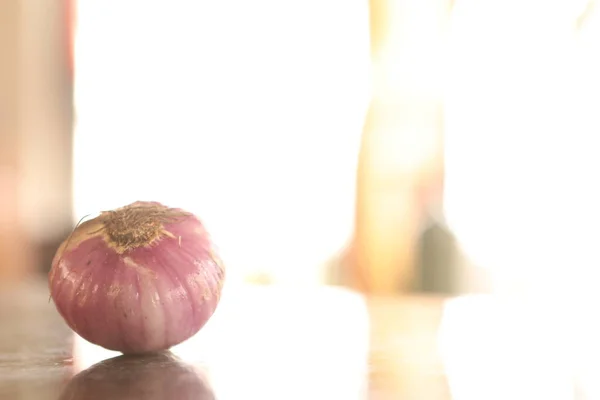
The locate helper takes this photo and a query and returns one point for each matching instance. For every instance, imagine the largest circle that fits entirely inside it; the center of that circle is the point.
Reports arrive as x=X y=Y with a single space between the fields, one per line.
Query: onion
x=152 y=377
x=137 y=279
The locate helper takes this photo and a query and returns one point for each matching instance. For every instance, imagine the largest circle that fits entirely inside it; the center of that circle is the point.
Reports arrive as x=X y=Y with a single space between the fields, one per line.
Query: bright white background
x=247 y=113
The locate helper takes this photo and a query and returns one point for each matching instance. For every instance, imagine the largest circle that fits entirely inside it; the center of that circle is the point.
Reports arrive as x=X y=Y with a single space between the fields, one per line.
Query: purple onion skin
x=135 y=294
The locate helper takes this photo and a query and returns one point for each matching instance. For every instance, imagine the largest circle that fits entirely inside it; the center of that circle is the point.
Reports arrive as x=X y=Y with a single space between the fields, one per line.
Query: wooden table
x=263 y=343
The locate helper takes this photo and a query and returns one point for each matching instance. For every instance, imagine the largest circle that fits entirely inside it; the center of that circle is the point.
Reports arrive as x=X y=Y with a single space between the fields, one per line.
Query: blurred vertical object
x=35 y=149
x=437 y=259
x=402 y=146
x=404 y=360
x=13 y=244
x=45 y=132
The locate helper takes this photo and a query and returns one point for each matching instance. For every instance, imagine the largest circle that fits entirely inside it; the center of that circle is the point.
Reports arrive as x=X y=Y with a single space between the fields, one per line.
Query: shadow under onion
x=148 y=377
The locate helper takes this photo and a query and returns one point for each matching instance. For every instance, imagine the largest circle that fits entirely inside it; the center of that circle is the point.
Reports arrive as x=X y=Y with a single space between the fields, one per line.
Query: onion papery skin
x=138 y=279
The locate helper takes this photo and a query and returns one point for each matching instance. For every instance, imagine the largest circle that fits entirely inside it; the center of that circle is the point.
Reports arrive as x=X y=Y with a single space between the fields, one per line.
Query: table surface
x=263 y=342
x=322 y=343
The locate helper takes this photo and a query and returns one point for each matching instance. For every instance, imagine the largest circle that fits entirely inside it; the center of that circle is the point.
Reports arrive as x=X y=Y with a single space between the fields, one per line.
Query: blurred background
x=309 y=138
x=391 y=147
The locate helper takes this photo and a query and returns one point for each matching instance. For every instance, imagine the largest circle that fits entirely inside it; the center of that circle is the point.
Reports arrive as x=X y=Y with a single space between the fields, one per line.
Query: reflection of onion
x=158 y=376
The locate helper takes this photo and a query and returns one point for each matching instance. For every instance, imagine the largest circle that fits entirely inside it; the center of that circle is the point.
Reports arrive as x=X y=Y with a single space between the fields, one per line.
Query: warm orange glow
x=402 y=139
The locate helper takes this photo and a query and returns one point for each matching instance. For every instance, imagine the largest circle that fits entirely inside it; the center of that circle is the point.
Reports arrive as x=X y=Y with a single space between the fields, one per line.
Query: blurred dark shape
x=437 y=272
x=149 y=377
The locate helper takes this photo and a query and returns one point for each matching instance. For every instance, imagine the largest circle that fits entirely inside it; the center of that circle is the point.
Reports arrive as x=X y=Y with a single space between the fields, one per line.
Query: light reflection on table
x=274 y=343
x=536 y=347
x=330 y=343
